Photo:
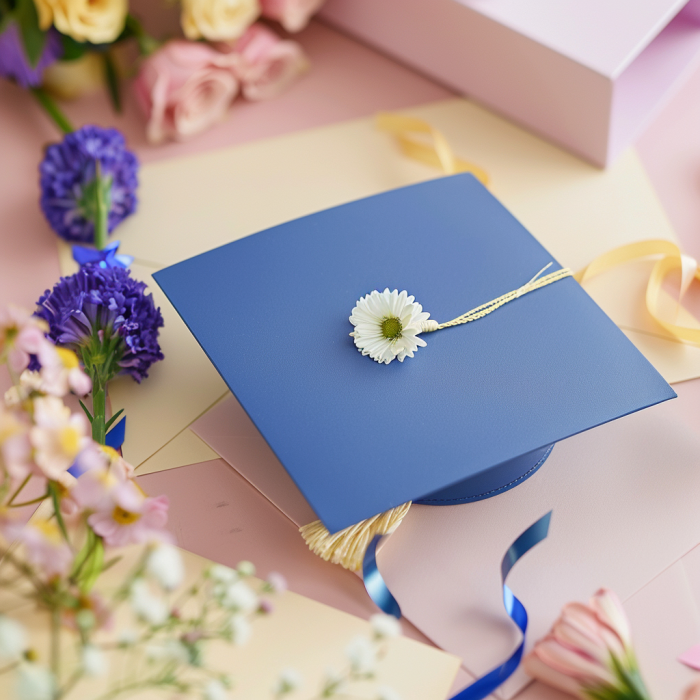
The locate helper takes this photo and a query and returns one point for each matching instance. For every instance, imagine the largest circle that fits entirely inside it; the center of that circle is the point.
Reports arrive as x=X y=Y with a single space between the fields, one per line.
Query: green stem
x=56 y=642
x=99 y=401
x=38 y=499
x=51 y=108
x=147 y=44
x=19 y=489
x=101 y=212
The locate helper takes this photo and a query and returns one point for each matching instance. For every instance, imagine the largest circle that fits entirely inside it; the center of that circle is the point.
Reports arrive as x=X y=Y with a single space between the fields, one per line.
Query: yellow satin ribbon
x=439 y=153
x=670 y=259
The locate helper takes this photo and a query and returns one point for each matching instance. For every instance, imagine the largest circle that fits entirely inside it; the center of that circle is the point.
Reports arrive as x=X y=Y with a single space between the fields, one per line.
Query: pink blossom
x=21 y=335
x=45 y=547
x=293 y=15
x=57 y=437
x=131 y=517
x=184 y=88
x=266 y=64
x=577 y=654
x=61 y=372
x=15 y=447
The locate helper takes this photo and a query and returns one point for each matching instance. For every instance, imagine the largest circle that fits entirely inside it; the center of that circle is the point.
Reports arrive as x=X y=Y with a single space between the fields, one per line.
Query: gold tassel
x=348 y=546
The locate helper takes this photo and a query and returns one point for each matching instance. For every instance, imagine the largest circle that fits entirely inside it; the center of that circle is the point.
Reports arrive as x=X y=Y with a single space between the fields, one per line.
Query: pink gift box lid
x=603 y=35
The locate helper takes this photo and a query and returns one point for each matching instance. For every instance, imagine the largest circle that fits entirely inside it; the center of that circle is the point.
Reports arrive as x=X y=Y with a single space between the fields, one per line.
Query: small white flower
x=240 y=629
x=387 y=325
x=148 y=607
x=245 y=569
x=94 y=661
x=287 y=682
x=277 y=582
x=223 y=574
x=127 y=637
x=165 y=565
x=13 y=639
x=384 y=692
x=240 y=598
x=169 y=650
x=215 y=690
x=35 y=683
x=385 y=626
x=333 y=681
x=362 y=655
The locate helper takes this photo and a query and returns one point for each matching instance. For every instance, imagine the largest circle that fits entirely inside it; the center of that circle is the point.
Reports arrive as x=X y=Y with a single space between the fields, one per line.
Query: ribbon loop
x=438 y=153
x=484 y=686
x=107 y=257
x=670 y=259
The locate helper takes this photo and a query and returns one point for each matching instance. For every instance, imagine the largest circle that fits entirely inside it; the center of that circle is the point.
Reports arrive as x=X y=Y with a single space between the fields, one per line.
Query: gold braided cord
x=536 y=282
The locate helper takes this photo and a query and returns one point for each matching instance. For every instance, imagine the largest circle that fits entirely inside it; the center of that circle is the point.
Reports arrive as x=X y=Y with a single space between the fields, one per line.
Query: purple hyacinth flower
x=14 y=63
x=68 y=182
x=106 y=317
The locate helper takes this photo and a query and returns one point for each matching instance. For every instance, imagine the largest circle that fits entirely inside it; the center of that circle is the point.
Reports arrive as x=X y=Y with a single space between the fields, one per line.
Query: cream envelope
x=194 y=204
x=300 y=633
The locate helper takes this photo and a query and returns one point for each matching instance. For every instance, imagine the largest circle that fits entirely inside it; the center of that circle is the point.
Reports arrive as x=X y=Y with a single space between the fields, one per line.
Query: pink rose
x=265 y=64
x=184 y=88
x=293 y=15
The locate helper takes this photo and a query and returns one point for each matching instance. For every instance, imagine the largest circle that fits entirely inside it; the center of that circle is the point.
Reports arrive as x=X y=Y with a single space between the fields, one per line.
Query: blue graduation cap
x=471 y=414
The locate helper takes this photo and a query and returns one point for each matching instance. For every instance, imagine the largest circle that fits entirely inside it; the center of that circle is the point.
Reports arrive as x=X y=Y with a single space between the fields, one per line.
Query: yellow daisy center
x=68 y=358
x=69 y=439
x=391 y=328
x=110 y=452
x=49 y=529
x=124 y=517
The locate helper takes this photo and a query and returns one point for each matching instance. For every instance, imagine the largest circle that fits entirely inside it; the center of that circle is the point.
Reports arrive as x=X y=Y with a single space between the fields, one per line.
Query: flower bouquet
x=61 y=48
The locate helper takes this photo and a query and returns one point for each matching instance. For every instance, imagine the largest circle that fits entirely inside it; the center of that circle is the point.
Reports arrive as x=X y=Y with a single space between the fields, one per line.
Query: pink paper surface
x=217 y=514
x=227 y=429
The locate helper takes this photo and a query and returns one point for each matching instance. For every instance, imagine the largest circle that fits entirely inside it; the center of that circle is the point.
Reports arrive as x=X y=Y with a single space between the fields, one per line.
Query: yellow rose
x=218 y=20
x=96 y=21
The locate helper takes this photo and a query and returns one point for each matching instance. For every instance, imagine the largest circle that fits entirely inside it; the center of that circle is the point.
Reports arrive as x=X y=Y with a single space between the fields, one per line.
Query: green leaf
x=111 y=421
x=32 y=37
x=85 y=408
x=109 y=564
x=72 y=49
x=112 y=78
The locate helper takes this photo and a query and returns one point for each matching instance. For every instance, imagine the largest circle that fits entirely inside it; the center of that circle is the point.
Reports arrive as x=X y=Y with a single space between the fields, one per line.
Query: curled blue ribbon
x=107 y=257
x=484 y=686
x=375 y=586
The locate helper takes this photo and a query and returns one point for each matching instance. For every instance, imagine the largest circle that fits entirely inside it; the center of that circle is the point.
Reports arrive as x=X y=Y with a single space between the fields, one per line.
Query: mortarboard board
x=472 y=414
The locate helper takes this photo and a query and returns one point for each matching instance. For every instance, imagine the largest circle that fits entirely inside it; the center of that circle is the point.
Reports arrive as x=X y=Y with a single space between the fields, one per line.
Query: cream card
x=300 y=633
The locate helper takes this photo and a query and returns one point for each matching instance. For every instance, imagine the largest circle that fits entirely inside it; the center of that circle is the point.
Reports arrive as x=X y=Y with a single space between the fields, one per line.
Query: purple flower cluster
x=14 y=63
x=68 y=181
x=103 y=312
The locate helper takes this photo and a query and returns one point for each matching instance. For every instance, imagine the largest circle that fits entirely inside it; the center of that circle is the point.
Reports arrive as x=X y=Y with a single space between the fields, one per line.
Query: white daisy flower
x=387 y=325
